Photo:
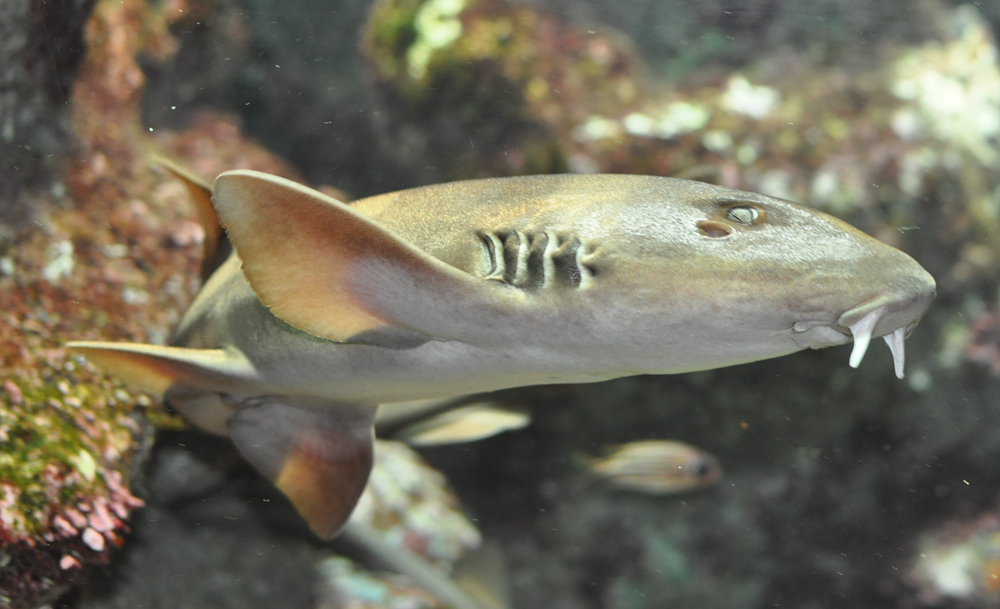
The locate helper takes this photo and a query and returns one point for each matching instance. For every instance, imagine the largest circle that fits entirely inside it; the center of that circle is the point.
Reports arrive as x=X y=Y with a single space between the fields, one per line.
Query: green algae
x=60 y=441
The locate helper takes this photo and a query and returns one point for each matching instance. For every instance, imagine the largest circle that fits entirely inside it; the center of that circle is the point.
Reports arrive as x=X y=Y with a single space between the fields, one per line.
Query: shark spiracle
x=536 y=260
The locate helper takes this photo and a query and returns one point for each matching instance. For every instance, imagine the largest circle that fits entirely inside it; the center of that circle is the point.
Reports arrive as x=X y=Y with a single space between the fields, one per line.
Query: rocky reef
x=66 y=433
x=108 y=250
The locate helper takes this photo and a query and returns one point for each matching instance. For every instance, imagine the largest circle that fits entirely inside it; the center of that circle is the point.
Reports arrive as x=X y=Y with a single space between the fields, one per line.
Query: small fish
x=658 y=467
x=326 y=310
x=463 y=423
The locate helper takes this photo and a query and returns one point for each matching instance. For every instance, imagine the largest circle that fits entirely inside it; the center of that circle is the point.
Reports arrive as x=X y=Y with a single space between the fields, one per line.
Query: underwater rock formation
x=408 y=505
x=40 y=53
x=213 y=524
x=112 y=252
x=983 y=346
x=290 y=73
x=67 y=434
x=515 y=82
x=959 y=562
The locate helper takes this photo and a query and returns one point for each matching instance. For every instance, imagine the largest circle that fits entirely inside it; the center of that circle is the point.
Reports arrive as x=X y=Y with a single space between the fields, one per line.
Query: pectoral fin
x=333 y=272
x=319 y=455
x=155 y=368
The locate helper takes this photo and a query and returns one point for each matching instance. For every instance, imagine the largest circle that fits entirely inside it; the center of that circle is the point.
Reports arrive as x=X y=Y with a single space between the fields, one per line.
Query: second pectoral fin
x=155 y=368
x=319 y=455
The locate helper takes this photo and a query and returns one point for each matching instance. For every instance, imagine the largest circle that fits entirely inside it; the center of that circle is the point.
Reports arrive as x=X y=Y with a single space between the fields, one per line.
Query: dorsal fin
x=216 y=247
x=335 y=273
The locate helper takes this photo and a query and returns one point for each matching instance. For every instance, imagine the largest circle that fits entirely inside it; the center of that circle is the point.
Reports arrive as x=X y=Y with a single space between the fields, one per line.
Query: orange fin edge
x=318 y=455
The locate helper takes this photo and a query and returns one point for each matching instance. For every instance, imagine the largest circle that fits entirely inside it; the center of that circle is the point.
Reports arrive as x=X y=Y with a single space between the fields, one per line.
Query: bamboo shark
x=326 y=310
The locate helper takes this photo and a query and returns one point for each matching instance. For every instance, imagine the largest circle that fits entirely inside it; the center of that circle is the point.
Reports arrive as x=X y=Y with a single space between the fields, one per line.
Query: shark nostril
x=710 y=228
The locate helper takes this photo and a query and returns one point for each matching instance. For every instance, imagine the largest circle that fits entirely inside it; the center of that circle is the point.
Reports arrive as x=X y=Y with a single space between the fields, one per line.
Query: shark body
x=326 y=310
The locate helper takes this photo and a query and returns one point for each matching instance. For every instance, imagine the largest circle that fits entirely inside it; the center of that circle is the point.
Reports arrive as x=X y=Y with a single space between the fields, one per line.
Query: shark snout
x=893 y=315
x=886 y=301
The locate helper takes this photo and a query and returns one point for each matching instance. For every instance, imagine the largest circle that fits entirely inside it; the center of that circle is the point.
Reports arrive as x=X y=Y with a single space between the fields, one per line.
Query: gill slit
x=494 y=252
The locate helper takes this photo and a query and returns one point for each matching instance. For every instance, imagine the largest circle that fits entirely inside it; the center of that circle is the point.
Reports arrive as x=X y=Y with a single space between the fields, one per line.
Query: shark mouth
x=818 y=334
x=862 y=332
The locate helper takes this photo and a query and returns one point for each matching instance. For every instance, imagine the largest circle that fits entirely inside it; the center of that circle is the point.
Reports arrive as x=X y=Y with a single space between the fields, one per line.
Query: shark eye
x=744 y=214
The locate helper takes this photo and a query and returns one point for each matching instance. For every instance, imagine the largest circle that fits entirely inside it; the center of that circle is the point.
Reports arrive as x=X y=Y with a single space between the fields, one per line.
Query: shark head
x=735 y=276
